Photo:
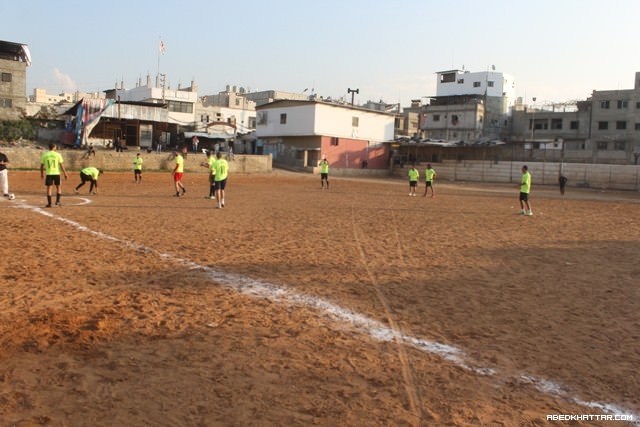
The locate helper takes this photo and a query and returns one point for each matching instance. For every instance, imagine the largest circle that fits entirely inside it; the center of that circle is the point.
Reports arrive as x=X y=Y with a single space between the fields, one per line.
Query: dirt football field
x=296 y=306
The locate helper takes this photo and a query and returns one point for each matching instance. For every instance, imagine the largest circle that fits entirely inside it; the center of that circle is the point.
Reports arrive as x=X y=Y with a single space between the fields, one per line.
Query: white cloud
x=64 y=81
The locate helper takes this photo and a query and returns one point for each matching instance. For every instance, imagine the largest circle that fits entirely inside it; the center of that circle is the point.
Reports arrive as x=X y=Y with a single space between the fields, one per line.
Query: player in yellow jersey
x=210 y=165
x=525 y=189
x=414 y=175
x=324 y=173
x=91 y=175
x=429 y=177
x=137 y=169
x=51 y=164
x=177 y=172
x=221 y=167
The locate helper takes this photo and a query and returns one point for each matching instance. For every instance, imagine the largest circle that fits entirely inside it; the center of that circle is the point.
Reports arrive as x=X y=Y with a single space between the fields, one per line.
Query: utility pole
x=163 y=78
x=352 y=92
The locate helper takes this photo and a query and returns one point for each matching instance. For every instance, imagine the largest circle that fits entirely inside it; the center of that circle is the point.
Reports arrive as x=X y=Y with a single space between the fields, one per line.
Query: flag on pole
x=162 y=47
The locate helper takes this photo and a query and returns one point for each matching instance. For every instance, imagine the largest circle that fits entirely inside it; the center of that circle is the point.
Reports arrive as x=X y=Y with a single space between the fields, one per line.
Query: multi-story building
x=300 y=133
x=469 y=106
x=14 y=60
x=603 y=128
x=615 y=123
x=230 y=106
x=268 y=96
x=556 y=126
x=40 y=96
x=180 y=102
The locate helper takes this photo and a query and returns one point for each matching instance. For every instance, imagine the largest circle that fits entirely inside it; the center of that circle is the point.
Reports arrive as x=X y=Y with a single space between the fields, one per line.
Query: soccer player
x=429 y=177
x=137 y=169
x=414 y=175
x=562 y=180
x=221 y=171
x=91 y=175
x=4 y=175
x=177 y=172
x=210 y=164
x=525 y=188
x=324 y=173
x=51 y=164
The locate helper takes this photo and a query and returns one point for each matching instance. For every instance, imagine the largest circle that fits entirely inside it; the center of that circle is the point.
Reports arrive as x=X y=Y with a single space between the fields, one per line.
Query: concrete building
x=615 y=124
x=14 y=60
x=268 y=96
x=561 y=127
x=41 y=97
x=469 y=106
x=229 y=106
x=605 y=128
x=300 y=133
x=180 y=102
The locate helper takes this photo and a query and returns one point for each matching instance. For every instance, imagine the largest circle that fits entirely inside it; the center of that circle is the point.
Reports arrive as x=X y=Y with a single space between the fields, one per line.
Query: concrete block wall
x=612 y=177
x=74 y=160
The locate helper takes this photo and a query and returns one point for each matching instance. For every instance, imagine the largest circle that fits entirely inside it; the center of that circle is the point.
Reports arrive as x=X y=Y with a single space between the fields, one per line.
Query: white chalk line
x=363 y=324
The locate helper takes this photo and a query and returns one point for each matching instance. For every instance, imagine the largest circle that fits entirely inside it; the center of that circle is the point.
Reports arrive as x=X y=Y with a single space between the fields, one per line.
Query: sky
x=556 y=50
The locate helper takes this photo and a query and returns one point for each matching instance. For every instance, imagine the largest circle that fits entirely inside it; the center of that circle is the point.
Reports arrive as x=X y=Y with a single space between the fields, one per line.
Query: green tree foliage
x=11 y=130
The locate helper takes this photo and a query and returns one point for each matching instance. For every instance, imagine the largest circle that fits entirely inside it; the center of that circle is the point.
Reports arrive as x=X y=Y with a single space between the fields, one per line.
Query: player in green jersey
x=324 y=173
x=525 y=189
x=91 y=175
x=137 y=169
x=429 y=177
x=414 y=175
x=221 y=167
x=51 y=164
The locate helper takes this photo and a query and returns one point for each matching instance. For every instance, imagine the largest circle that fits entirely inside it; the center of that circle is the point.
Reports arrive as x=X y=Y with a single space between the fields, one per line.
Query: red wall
x=350 y=153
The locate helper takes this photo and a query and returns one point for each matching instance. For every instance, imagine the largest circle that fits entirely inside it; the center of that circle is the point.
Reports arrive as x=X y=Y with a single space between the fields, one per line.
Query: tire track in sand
x=413 y=393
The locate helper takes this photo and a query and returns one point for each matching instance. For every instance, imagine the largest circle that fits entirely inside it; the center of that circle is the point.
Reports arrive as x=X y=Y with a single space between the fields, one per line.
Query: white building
x=491 y=84
x=180 y=102
x=300 y=133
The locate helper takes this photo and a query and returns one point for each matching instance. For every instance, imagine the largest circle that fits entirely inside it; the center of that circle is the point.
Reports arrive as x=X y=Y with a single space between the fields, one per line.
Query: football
x=12 y=196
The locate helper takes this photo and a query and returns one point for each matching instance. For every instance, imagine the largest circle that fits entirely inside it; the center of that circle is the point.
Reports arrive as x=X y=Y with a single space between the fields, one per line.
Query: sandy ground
x=294 y=306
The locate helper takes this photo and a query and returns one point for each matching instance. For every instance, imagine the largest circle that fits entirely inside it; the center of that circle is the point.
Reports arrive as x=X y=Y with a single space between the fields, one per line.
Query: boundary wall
x=600 y=176
x=110 y=160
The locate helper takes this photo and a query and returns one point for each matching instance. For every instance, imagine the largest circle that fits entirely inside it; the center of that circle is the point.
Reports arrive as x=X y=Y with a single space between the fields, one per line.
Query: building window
x=603 y=125
x=454 y=119
x=604 y=105
x=637 y=126
x=574 y=125
x=490 y=83
x=262 y=117
x=436 y=117
x=638 y=105
x=623 y=104
x=556 y=124
x=180 y=107
x=355 y=122
x=476 y=84
x=6 y=103
x=283 y=119
x=448 y=78
x=334 y=141
x=252 y=123
x=6 y=77
x=460 y=81
x=619 y=145
x=602 y=145
x=621 y=125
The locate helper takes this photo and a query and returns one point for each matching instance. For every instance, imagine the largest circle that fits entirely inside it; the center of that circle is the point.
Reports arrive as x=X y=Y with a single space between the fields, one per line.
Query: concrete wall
x=74 y=160
x=613 y=177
